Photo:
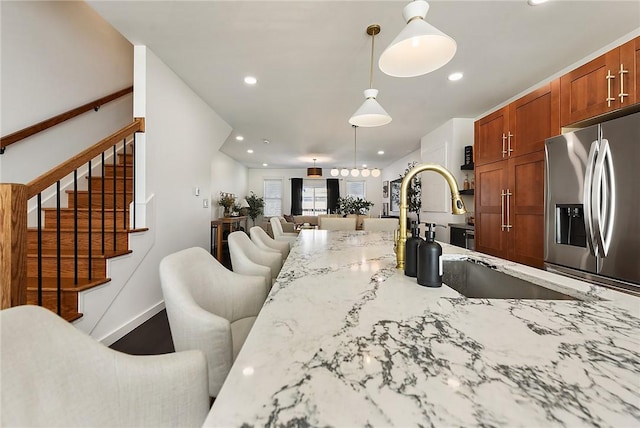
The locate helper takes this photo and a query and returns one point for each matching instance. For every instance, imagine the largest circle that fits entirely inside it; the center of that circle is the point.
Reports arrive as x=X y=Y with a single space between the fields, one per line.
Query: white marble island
x=347 y=340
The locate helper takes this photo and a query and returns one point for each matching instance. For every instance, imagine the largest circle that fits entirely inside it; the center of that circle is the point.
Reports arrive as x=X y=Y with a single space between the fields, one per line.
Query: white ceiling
x=311 y=59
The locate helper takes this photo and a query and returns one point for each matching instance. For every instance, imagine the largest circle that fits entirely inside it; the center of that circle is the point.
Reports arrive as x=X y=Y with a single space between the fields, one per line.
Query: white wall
x=257 y=175
x=227 y=176
x=183 y=135
x=454 y=135
x=56 y=56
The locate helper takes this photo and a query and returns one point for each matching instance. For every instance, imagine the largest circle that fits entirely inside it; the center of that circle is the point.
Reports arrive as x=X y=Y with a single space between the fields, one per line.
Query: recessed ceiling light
x=266 y=141
x=380 y=152
x=455 y=76
x=536 y=2
x=250 y=80
x=265 y=164
x=250 y=151
x=239 y=138
x=364 y=165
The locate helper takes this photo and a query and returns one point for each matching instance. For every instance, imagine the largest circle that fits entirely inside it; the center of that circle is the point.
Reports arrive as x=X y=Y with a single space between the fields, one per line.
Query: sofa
x=302 y=219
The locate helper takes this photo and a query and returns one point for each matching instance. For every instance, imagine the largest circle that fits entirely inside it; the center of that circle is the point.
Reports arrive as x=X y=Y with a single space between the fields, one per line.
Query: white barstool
x=209 y=308
x=279 y=234
x=247 y=258
x=265 y=242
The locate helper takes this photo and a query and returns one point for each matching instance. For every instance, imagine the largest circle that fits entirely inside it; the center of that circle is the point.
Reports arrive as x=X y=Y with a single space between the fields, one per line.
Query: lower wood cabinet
x=509 y=209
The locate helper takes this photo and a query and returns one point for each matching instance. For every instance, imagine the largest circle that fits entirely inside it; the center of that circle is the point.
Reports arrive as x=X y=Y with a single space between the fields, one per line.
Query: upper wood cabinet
x=602 y=85
x=519 y=128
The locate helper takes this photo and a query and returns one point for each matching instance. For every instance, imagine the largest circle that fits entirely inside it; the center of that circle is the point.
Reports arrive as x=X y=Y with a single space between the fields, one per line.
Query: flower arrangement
x=228 y=201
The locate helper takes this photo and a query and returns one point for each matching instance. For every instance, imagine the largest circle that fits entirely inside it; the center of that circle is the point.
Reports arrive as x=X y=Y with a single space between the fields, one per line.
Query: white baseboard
x=126 y=328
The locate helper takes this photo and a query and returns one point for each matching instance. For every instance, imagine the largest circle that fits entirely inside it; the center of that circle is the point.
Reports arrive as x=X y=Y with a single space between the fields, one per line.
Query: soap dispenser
x=411 y=251
x=430 y=260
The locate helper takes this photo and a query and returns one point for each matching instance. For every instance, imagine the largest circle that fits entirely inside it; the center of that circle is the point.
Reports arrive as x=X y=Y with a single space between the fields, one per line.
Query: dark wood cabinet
x=637 y=67
x=519 y=128
x=510 y=209
x=603 y=85
x=491 y=137
x=509 y=203
x=526 y=209
x=491 y=182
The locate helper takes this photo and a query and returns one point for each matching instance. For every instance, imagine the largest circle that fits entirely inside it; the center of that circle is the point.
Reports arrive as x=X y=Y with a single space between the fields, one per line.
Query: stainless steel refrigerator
x=592 y=203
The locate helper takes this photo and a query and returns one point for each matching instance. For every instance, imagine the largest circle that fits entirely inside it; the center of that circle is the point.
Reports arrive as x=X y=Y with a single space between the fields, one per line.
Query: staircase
x=94 y=225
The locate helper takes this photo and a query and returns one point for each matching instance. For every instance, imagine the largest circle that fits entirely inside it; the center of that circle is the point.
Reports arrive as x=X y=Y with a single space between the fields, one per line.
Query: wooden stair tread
x=94 y=229
x=86 y=209
x=69 y=254
x=106 y=191
x=66 y=284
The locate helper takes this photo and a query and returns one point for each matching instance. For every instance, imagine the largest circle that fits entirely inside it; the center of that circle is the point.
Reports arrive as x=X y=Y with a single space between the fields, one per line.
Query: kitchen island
x=345 y=339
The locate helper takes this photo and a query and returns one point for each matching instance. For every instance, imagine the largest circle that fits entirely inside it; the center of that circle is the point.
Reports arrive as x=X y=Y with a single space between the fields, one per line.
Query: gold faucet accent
x=457 y=205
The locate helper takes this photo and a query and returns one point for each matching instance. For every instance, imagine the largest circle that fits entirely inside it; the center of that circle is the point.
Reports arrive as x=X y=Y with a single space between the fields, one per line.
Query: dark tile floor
x=150 y=338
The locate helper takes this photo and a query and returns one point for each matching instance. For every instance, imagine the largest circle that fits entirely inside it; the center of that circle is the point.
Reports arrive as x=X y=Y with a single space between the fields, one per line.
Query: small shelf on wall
x=467 y=192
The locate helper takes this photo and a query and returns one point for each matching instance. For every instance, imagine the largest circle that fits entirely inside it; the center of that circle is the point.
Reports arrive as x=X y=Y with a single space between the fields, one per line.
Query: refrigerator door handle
x=588 y=184
x=603 y=199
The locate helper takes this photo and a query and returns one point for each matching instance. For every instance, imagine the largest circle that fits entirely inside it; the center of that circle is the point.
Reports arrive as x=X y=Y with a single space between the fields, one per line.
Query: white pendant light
x=370 y=112
x=335 y=172
x=420 y=48
x=365 y=172
x=375 y=172
x=344 y=172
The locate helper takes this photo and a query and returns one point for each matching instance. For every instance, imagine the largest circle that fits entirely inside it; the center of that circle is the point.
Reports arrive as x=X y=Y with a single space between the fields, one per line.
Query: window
x=314 y=197
x=356 y=189
x=272 y=197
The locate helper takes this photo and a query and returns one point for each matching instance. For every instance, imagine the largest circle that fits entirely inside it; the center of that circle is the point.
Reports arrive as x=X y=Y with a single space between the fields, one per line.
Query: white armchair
x=209 y=308
x=55 y=375
x=337 y=223
x=265 y=242
x=246 y=257
x=279 y=234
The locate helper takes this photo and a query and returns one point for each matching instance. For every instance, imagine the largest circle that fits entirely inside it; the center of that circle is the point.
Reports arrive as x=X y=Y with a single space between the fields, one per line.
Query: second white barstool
x=248 y=259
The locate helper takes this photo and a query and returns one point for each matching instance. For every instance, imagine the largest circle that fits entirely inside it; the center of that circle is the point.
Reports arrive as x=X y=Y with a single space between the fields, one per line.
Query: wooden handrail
x=47 y=179
x=46 y=124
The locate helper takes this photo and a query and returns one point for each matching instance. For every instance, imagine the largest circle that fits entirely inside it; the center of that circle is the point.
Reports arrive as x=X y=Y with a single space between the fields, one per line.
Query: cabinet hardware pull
x=504 y=139
x=508 y=225
x=502 y=195
x=622 y=72
x=609 y=77
x=509 y=143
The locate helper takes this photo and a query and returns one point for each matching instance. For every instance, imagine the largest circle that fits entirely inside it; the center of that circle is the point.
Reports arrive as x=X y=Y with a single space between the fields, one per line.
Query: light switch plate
x=205 y=203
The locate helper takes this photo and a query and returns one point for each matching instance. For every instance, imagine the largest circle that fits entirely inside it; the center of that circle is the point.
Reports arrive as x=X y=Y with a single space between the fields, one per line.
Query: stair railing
x=14 y=201
x=55 y=120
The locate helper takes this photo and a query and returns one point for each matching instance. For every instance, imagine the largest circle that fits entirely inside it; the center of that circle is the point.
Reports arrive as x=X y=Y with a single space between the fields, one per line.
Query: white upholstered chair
x=337 y=223
x=246 y=257
x=279 y=234
x=380 y=224
x=55 y=375
x=210 y=308
x=265 y=242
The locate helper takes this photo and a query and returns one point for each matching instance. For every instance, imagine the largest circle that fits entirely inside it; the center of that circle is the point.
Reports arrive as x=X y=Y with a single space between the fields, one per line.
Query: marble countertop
x=345 y=339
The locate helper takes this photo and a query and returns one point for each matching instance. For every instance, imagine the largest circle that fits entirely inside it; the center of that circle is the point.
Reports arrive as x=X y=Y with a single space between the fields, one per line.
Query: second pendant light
x=370 y=112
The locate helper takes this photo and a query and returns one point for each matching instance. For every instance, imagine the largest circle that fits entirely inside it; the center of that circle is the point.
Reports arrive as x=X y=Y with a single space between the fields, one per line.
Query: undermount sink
x=478 y=281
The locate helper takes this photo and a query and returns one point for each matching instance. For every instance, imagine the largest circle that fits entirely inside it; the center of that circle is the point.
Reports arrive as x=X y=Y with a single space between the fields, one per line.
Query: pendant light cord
x=355 y=143
x=373 y=38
